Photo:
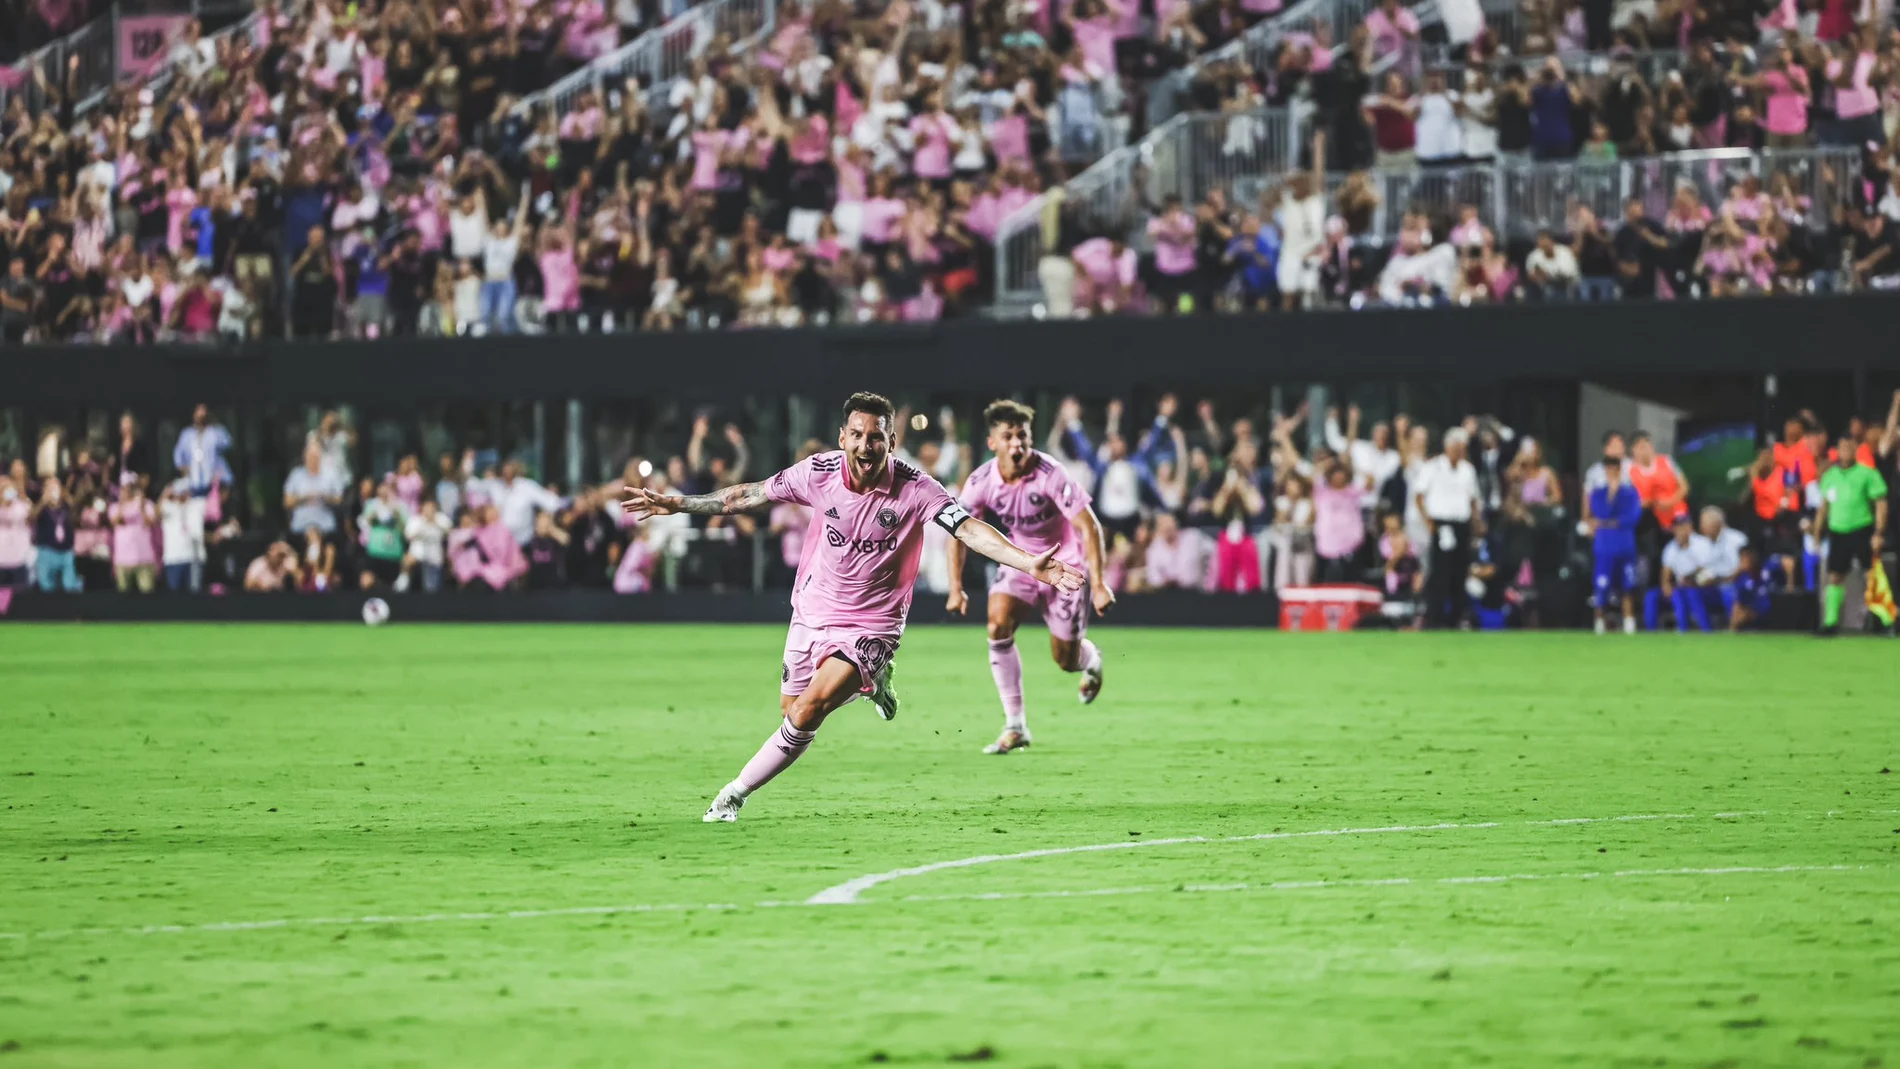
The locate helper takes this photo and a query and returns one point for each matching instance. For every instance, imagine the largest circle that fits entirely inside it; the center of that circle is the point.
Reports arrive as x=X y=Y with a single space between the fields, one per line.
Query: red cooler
x=1331 y=607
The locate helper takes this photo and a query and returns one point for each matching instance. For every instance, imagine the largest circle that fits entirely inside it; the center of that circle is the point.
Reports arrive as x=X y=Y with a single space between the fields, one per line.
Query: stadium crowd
x=369 y=169
x=1468 y=525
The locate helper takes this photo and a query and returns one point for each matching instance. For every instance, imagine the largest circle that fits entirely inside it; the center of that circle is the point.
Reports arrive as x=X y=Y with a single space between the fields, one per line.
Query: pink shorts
x=1067 y=615
x=807 y=647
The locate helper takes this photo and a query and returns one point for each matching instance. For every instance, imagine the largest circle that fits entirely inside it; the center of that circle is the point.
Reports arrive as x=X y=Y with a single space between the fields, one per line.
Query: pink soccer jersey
x=862 y=550
x=1035 y=510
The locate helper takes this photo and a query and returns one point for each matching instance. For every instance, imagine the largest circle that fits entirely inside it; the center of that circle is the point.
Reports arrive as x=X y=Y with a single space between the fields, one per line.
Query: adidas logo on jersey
x=833 y=513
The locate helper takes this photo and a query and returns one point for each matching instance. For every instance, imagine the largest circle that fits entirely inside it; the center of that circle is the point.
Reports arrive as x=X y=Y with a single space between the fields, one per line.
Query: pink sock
x=1091 y=658
x=775 y=756
x=1006 y=665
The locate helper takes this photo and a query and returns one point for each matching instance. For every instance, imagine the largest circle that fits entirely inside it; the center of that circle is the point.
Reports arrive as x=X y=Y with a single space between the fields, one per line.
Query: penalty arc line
x=848 y=892
x=860 y=884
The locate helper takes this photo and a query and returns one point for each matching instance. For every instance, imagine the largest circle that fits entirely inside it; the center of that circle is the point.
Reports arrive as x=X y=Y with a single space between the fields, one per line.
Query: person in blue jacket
x=1615 y=510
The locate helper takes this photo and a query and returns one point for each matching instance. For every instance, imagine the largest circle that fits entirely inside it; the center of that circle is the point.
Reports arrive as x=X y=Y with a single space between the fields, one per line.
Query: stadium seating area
x=1239 y=503
x=436 y=168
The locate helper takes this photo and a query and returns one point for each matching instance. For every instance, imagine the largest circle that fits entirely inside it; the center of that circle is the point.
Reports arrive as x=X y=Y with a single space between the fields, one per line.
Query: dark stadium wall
x=1847 y=335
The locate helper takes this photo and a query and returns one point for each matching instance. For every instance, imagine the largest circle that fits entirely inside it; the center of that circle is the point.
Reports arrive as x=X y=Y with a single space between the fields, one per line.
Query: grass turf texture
x=193 y=775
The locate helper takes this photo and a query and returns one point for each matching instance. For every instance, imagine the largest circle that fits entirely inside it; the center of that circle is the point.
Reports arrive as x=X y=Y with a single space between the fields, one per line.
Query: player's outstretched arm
x=640 y=502
x=987 y=540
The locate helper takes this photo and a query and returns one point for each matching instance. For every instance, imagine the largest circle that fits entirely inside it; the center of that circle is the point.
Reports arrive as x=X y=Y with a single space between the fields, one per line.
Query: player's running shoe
x=1009 y=740
x=725 y=805
x=882 y=695
x=1090 y=686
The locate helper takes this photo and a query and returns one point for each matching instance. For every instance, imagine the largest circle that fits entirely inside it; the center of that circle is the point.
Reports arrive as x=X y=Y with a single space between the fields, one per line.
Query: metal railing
x=91 y=52
x=1518 y=199
x=661 y=55
x=1650 y=66
x=1184 y=157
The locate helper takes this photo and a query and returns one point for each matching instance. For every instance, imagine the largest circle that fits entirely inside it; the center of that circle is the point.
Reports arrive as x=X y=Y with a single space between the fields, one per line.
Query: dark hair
x=1011 y=412
x=1607 y=435
x=871 y=404
x=1639 y=436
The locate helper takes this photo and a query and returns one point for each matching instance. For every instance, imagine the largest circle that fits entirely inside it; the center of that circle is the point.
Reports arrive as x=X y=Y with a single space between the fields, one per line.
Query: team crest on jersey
x=834 y=538
x=1037 y=499
x=784 y=672
x=887 y=518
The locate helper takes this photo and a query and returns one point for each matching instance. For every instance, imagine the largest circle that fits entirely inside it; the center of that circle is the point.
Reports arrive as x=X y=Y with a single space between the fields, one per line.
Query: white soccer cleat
x=882 y=695
x=1091 y=685
x=1010 y=740
x=1629 y=625
x=1603 y=626
x=725 y=805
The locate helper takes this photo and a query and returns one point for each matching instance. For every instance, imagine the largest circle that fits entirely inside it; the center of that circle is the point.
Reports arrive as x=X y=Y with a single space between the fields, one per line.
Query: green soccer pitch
x=470 y=846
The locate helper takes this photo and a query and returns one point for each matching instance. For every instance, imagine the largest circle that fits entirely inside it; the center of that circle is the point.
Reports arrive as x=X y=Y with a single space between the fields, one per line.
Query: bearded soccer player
x=1039 y=504
x=853 y=589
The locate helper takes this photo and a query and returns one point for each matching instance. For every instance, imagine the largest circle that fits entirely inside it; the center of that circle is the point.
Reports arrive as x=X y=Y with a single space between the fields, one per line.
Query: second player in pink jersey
x=1042 y=508
x=855 y=577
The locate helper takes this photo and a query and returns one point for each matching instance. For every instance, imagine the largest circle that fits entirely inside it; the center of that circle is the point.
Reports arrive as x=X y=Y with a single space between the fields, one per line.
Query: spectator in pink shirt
x=560 y=277
x=482 y=551
x=1394 y=33
x=1339 y=527
x=1173 y=234
x=1175 y=559
x=1785 y=84
x=1105 y=276
x=16 y=534
x=134 y=541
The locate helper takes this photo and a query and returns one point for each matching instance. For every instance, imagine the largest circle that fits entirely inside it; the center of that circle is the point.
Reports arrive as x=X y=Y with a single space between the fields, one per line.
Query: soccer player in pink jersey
x=1043 y=508
x=853 y=589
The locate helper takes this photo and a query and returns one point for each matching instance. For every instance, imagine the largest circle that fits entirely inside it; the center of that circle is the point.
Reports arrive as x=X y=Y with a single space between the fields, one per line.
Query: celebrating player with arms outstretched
x=1042 y=507
x=853 y=588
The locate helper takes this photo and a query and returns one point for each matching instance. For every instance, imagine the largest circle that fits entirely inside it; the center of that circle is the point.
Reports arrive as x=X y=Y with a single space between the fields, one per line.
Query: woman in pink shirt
x=1856 y=102
x=933 y=131
x=708 y=142
x=883 y=215
x=180 y=199
x=560 y=278
x=1339 y=527
x=1173 y=235
x=1785 y=85
x=134 y=541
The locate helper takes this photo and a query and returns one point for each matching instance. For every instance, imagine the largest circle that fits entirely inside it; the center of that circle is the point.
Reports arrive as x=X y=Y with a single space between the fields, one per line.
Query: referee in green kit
x=1853 y=515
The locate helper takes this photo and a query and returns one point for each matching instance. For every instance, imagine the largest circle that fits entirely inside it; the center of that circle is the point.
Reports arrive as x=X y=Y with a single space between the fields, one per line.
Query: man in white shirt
x=1552 y=268
x=1685 y=564
x=1725 y=555
x=519 y=498
x=1446 y=492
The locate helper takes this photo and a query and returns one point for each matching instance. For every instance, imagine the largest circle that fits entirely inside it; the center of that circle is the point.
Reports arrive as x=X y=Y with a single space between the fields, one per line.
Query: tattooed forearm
x=743 y=497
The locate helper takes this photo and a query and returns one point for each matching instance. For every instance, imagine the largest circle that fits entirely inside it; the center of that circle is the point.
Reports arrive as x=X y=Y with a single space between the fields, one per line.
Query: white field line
x=829 y=896
x=990 y=896
x=847 y=893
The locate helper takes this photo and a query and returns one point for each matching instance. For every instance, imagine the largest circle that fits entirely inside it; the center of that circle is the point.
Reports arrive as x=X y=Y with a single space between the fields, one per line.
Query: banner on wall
x=145 y=41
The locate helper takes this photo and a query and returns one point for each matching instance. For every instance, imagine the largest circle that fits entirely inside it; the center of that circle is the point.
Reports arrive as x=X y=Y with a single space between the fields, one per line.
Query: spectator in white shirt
x=1373 y=459
x=1552 y=268
x=1440 y=136
x=427 y=533
x=519 y=498
x=1684 y=579
x=1446 y=491
x=1477 y=116
x=499 y=251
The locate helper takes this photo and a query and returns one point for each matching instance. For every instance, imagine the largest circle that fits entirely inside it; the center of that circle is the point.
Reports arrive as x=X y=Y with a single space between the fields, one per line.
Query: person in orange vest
x=1774 y=499
x=1794 y=454
x=1663 y=488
